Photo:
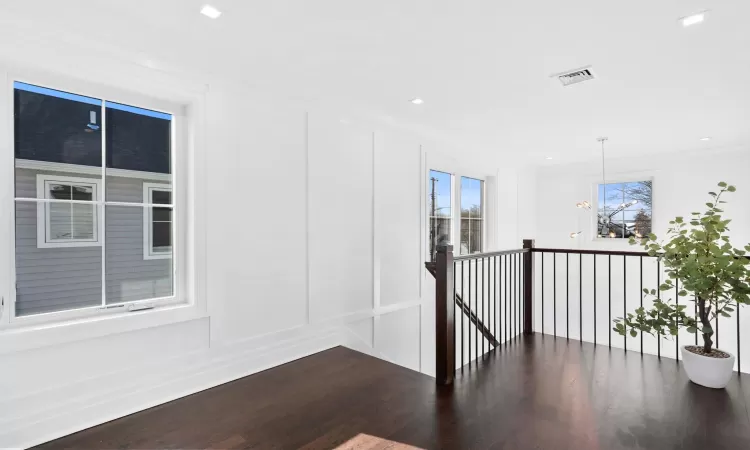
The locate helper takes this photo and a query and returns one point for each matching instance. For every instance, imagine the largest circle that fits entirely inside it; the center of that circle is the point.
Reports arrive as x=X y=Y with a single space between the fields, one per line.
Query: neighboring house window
x=67 y=215
x=439 y=210
x=88 y=174
x=624 y=209
x=157 y=222
x=472 y=215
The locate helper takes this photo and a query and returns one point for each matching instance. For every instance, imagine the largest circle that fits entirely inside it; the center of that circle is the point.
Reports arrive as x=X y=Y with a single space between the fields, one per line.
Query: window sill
x=36 y=336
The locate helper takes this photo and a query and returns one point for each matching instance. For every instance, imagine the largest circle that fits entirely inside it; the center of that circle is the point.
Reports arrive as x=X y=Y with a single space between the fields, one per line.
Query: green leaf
x=722 y=184
x=731 y=189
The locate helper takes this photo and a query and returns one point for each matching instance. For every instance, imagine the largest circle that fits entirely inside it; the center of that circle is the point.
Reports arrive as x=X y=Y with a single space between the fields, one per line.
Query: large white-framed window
x=157 y=221
x=81 y=153
x=68 y=215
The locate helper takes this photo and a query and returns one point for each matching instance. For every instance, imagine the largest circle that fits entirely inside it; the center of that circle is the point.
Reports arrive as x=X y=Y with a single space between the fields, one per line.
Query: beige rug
x=367 y=442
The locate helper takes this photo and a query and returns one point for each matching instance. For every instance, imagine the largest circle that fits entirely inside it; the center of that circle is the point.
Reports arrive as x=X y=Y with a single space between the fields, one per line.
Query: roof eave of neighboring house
x=90 y=170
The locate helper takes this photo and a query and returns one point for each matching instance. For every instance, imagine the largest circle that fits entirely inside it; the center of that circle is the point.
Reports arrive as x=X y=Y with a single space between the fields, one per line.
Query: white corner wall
x=314 y=232
x=681 y=183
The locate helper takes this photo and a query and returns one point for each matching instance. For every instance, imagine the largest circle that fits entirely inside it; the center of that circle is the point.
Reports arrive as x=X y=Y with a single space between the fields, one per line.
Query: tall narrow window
x=157 y=230
x=89 y=174
x=472 y=215
x=439 y=210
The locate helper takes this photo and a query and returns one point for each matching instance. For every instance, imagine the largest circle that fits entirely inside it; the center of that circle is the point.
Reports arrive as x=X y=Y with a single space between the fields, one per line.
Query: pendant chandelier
x=604 y=217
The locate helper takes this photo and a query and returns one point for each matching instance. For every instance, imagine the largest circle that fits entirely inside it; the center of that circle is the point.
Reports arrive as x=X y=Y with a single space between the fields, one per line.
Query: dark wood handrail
x=490 y=254
x=595 y=252
x=486 y=333
x=588 y=252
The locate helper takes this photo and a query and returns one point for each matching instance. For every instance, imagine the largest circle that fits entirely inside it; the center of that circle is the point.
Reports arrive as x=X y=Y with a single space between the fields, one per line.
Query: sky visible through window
x=91 y=101
x=442 y=185
x=471 y=192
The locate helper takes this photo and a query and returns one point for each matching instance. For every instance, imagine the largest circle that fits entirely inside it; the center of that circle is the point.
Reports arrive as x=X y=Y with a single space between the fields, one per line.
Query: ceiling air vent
x=575 y=76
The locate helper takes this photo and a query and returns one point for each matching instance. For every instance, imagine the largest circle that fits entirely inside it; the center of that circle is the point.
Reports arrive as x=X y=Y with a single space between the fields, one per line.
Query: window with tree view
x=439 y=200
x=472 y=218
x=624 y=209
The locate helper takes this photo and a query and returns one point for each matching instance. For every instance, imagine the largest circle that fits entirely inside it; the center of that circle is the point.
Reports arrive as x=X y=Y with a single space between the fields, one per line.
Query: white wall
x=309 y=233
x=681 y=183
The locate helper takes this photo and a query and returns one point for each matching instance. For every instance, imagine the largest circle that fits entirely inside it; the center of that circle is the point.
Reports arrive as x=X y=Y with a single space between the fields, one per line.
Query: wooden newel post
x=445 y=340
x=528 y=286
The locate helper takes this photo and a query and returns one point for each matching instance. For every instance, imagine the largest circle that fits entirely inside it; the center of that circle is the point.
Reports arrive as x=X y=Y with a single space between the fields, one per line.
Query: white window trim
x=594 y=220
x=148 y=253
x=43 y=212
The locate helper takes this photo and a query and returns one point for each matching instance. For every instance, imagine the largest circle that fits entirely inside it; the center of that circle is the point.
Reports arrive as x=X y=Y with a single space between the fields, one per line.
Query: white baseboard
x=70 y=415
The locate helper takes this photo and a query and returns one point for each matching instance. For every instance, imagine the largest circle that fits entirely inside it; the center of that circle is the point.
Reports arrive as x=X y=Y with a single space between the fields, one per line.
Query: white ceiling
x=482 y=67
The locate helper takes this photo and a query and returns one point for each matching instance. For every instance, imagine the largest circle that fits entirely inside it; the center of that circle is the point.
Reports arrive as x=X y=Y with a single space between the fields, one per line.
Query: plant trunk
x=703 y=315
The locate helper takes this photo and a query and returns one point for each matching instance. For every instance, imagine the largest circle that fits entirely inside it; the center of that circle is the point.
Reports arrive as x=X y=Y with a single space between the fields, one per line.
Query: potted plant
x=711 y=272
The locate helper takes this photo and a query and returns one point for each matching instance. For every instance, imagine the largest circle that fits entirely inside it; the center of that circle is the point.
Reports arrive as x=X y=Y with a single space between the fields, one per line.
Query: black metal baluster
x=476 y=311
x=567 y=296
x=580 y=298
x=737 y=312
x=541 y=255
x=500 y=301
x=695 y=308
x=519 y=290
x=717 y=329
x=625 y=298
x=521 y=309
x=463 y=304
x=658 y=296
x=455 y=264
x=490 y=325
x=641 y=301
x=554 y=294
x=484 y=305
x=513 y=297
x=518 y=294
x=595 y=299
x=677 y=303
x=507 y=292
x=494 y=296
x=609 y=270
x=468 y=305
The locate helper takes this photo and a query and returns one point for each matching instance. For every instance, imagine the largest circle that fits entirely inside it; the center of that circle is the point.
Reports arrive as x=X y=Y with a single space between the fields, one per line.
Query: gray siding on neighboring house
x=129 y=276
x=54 y=279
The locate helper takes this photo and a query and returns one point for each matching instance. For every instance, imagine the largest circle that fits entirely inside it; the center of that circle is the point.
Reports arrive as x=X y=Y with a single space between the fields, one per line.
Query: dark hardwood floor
x=535 y=393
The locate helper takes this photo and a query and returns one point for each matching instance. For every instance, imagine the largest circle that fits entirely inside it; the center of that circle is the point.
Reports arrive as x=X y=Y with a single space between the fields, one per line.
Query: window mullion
x=101 y=203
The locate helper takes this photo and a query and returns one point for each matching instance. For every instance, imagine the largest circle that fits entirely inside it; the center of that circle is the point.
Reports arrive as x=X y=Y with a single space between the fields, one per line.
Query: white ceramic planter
x=706 y=371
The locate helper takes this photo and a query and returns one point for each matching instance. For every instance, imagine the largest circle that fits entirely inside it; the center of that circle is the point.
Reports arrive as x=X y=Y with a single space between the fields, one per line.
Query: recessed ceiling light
x=549 y=158
x=707 y=138
x=693 y=19
x=417 y=101
x=210 y=11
